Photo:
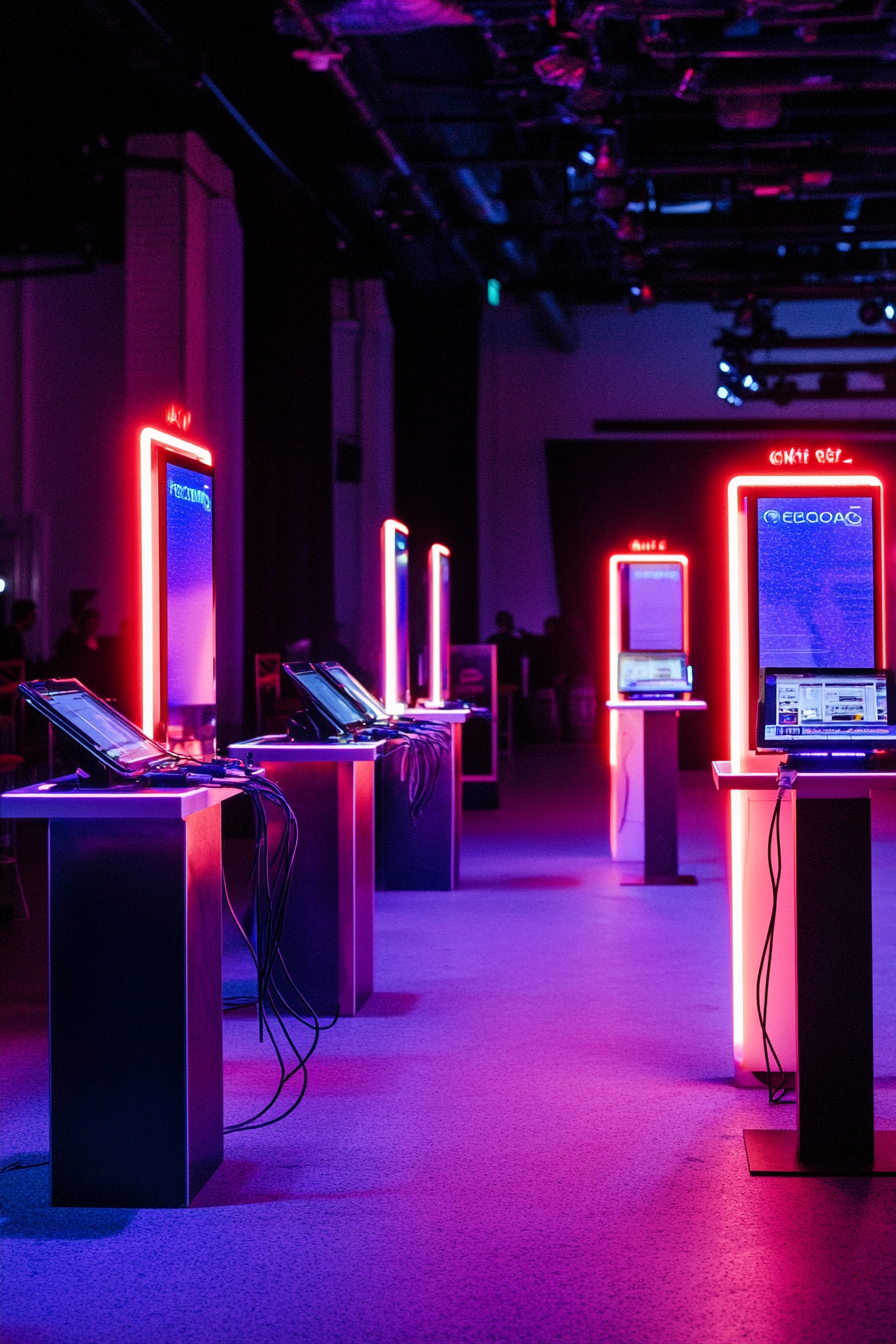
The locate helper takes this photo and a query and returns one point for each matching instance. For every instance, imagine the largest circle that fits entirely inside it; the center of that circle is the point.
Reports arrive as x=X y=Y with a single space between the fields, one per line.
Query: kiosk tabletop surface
x=849 y=784
x=281 y=749
x=656 y=704
x=37 y=801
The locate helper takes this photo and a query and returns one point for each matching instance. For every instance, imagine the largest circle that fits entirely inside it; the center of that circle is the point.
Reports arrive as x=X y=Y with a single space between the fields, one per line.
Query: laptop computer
x=654 y=676
x=109 y=738
x=112 y=741
x=838 y=716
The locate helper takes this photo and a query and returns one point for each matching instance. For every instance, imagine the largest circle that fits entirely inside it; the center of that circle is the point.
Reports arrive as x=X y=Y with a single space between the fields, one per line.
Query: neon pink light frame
x=392 y=697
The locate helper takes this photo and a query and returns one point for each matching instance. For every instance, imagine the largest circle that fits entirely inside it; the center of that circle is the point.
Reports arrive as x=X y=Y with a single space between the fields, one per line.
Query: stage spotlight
x=587 y=156
x=871 y=312
x=889 y=311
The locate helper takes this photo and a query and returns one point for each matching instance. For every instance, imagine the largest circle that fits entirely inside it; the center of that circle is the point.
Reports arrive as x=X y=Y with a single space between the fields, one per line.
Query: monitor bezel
x=625 y=568
x=818 y=743
x=34 y=693
x=660 y=687
x=298 y=671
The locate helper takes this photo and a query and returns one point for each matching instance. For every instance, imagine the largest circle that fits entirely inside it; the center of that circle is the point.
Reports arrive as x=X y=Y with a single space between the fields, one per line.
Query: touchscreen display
x=190 y=599
x=847 y=708
x=816 y=581
x=320 y=690
x=356 y=691
x=653 y=672
x=96 y=721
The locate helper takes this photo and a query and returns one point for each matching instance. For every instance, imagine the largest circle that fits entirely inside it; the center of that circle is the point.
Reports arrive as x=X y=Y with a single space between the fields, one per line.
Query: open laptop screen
x=653 y=673
x=110 y=737
x=805 y=710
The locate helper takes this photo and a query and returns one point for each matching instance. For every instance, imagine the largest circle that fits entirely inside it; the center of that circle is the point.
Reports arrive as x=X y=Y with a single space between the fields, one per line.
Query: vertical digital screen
x=402 y=644
x=190 y=604
x=815 y=559
x=444 y=625
x=653 y=601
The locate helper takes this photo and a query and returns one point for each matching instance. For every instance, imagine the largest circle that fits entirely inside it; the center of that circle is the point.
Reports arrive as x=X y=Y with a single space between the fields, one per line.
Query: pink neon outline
x=738 y=673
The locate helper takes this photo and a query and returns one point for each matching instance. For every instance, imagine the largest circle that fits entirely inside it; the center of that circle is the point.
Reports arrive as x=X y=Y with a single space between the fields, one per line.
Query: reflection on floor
x=528 y=1136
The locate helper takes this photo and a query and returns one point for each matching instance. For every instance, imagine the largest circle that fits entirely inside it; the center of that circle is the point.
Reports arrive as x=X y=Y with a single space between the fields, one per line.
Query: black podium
x=136 y=1071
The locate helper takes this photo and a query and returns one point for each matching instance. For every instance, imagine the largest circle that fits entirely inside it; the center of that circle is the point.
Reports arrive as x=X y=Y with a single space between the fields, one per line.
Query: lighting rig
x=744 y=377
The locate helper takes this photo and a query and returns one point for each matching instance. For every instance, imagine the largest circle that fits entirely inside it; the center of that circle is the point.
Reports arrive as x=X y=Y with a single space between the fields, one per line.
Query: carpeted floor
x=529 y=1136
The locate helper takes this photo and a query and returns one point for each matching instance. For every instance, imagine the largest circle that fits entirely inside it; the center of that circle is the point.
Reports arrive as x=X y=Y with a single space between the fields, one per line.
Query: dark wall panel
x=436 y=426
x=288 y=452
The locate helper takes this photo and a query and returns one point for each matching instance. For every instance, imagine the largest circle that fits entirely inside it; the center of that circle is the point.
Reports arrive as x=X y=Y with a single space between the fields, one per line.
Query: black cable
x=23 y=1166
x=777 y=1091
x=271 y=878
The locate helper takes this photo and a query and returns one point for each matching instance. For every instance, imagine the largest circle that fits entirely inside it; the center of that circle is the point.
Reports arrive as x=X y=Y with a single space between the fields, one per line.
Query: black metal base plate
x=679 y=880
x=772 y=1152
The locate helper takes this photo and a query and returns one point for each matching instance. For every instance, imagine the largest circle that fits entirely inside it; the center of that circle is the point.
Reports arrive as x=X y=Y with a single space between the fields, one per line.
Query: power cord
x=777 y=1091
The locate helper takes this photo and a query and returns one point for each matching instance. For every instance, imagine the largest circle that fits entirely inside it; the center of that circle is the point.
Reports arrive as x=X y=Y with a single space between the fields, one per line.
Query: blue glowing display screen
x=816 y=581
x=190 y=600
x=655 y=606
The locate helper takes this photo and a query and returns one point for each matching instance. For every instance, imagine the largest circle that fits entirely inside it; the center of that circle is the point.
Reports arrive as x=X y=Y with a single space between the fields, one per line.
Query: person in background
x=12 y=639
x=68 y=644
x=82 y=653
x=510 y=650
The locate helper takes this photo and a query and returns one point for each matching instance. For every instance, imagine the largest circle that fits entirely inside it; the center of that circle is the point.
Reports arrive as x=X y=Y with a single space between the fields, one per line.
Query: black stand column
x=136 y=1072
x=835 y=1071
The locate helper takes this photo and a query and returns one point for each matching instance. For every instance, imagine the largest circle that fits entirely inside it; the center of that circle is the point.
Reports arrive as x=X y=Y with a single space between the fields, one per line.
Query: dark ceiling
x=611 y=151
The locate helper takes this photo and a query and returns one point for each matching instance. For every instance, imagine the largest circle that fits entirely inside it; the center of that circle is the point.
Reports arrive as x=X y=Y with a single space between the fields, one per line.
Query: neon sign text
x=802 y=457
x=647 y=545
x=189 y=495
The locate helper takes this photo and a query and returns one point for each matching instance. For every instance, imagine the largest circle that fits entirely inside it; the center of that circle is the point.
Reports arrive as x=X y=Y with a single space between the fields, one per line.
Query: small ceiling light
x=782 y=250
x=587 y=156
x=890 y=311
x=494 y=293
x=844 y=247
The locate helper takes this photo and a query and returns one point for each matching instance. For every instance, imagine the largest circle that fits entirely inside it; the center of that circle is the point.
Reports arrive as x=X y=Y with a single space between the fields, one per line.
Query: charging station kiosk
x=806 y=590
x=135 y=895
x=327 y=938
x=421 y=855
x=648 y=606
x=177 y=601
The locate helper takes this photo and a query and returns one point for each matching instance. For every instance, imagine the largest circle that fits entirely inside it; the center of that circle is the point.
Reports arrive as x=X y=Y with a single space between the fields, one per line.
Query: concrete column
x=362 y=416
x=184 y=342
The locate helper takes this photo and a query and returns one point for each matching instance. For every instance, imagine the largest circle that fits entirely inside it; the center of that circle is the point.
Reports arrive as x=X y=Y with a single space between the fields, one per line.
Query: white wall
x=657 y=364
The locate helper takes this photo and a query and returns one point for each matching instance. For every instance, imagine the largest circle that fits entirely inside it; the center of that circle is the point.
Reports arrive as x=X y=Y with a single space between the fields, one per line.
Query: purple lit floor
x=529 y=1136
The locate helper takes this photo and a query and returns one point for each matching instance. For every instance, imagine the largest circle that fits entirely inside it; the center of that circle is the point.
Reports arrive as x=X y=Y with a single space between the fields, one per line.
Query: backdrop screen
x=816 y=581
x=190 y=602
